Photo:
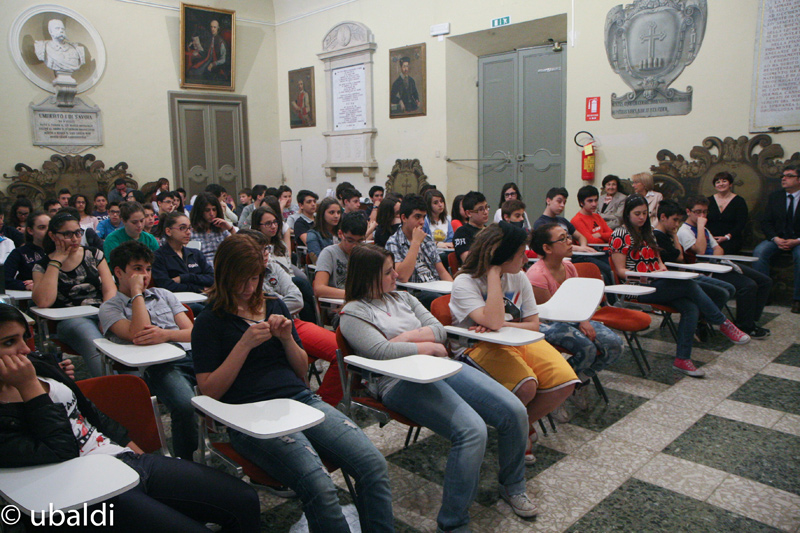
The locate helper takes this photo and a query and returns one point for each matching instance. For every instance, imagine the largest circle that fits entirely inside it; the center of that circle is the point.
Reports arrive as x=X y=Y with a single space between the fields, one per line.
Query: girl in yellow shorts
x=490 y=292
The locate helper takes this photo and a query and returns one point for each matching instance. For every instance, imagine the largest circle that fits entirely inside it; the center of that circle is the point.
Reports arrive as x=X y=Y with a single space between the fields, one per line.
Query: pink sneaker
x=736 y=335
x=687 y=367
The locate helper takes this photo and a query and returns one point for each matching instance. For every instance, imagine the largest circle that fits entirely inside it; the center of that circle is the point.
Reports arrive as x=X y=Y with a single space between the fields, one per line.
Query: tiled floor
x=670 y=453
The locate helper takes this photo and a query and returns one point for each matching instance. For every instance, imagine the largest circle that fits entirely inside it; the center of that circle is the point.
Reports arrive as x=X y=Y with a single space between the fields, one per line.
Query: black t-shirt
x=266 y=373
x=561 y=221
x=463 y=237
x=666 y=247
x=301 y=227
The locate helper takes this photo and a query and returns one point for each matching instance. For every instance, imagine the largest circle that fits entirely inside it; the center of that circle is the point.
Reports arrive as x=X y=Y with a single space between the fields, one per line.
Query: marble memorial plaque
x=776 y=71
x=349 y=98
x=66 y=130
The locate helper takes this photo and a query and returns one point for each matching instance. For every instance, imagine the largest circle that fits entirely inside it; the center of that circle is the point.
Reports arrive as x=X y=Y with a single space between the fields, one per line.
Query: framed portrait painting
x=408 y=81
x=208 y=41
x=302 y=109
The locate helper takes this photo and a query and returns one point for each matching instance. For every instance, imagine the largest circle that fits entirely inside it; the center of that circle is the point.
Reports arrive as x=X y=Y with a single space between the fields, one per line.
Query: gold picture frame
x=408 y=88
x=302 y=95
x=208 y=48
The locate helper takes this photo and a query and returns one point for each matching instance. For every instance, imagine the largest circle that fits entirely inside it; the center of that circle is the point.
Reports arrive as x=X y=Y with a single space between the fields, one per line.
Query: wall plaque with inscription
x=775 y=101
x=349 y=98
x=66 y=130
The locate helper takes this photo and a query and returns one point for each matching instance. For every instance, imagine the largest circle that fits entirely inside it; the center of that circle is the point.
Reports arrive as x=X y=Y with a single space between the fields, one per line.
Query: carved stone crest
x=648 y=44
x=407 y=177
x=345 y=35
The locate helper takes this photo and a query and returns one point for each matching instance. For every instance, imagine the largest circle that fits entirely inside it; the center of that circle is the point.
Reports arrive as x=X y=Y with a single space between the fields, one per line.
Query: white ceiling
x=287 y=9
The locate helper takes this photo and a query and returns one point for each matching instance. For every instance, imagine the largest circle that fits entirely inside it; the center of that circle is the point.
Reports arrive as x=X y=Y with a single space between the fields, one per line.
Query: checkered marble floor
x=669 y=453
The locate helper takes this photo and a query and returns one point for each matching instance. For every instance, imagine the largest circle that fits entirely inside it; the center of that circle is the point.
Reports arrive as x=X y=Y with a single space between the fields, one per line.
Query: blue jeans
x=293 y=461
x=79 y=334
x=719 y=291
x=588 y=357
x=458 y=408
x=765 y=250
x=173 y=384
x=689 y=299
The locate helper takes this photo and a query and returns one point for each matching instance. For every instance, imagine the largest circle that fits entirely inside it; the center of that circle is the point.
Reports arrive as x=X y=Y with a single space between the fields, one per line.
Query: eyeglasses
x=482 y=209
x=70 y=234
x=510 y=194
x=271 y=223
x=565 y=239
x=182 y=228
x=114 y=212
x=700 y=211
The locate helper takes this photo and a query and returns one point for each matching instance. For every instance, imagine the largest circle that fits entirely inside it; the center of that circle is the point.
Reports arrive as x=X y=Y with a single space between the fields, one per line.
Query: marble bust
x=58 y=53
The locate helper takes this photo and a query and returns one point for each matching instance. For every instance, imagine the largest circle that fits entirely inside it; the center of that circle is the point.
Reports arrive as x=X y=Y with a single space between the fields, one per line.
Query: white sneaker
x=561 y=415
x=520 y=503
x=580 y=398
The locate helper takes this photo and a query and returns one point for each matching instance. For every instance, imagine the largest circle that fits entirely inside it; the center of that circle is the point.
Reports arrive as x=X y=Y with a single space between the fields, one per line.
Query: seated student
x=257 y=198
x=181 y=199
x=19 y=263
x=285 y=200
x=81 y=203
x=304 y=219
x=207 y=226
x=245 y=199
x=326 y=225
x=590 y=224
x=752 y=287
x=176 y=267
x=6 y=247
x=45 y=419
x=351 y=203
x=281 y=254
x=141 y=316
x=219 y=192
x=555 y=201
x=510 y=191
x=670 y=218
x=51 y=207
x=633 y=249
x=114 y=221
x=89 y=237
x=19 y=213
x=331 y=272
x=437 y=223
x=593 y=346
x=387 y=218
x=490 y=292
x=457 y=215
x=476 y=209
x=343 y=186
x=381 y=323
x=513 y=212
x=780 y=224
x=72 y=275
x=612 y=202
x=8 y=231
x=63 y=197
x=166 y=201
x=120 y=191
x=415 y=254
x=150 y=225
x=132 y=214
x=376 y=196
x=318 y=342
x=246 y=349
x=100 y=207
x=727 y=214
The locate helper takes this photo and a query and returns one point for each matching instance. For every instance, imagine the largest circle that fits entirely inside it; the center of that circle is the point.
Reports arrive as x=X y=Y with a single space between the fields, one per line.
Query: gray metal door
x=209 y=139
x=522 y=121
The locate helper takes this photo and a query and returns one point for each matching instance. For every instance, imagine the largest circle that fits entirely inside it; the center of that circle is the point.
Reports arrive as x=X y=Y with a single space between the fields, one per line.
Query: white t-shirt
x=469 y=294
x=687 y=237
x=6 y=247
x=439 y=230
x=90 y=440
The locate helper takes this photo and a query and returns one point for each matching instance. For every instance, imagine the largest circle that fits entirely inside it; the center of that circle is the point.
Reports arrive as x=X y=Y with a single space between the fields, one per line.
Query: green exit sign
x=502 y=21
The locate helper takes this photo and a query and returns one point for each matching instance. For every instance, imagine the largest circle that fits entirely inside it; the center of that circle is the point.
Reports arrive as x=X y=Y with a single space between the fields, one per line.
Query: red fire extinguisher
x=587 y=157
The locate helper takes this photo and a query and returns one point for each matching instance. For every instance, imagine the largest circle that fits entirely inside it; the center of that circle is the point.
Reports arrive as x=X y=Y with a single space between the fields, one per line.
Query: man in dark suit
x=781 y=226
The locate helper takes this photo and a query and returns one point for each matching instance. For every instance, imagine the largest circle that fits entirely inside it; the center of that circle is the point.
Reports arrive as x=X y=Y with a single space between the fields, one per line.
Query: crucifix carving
x=650 y=39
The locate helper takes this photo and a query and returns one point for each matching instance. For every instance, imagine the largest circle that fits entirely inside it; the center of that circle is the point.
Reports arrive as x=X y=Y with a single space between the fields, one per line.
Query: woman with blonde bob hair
x=381 y=323
x=490 y=292
x=643 y=185
x=246 y=349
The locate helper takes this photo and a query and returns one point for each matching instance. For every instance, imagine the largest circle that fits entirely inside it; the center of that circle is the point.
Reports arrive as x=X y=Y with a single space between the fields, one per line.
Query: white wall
x=143 y=64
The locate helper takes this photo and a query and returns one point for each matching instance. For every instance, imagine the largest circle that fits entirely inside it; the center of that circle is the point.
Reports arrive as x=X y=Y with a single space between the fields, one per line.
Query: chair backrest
x=575 y=300
x=440 y=308
x=197 y=245
x=452 y=262
x=126 y=399
x=189 y=312
x=588 y=270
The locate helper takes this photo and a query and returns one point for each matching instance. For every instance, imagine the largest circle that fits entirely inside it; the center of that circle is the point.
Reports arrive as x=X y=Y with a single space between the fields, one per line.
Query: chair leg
x=671 y=325
x=638 y=352
x=416 y=435
x=552 y=423
x=544 y=429
x=408 y=436
x=350 y=489
x=600 y=389
x=314 y=372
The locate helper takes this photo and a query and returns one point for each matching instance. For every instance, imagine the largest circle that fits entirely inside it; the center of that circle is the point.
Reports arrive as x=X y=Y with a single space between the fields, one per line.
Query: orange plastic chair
x=628 y=321
x=452 y=262
x=351 y=383
x=126 y=399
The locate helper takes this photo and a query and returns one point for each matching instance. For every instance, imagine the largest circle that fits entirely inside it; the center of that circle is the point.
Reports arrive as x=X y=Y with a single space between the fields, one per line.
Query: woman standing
x=247 y=350
x=72 y=275
x=81 y=203
x=207 y=226
x=727 y=214
x=612 y=202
